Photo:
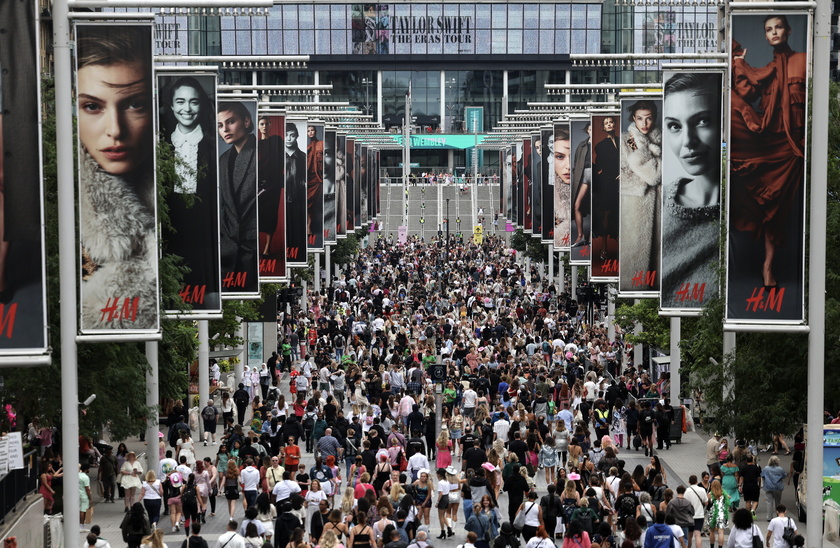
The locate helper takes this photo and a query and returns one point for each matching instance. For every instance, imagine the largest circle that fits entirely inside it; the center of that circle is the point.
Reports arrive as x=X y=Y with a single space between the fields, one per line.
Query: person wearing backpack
x=587 y=517
x=308 y=423
x=210 y=418
x=551 y=508
x=781 y=529
x=190 y=503
x=659 y=535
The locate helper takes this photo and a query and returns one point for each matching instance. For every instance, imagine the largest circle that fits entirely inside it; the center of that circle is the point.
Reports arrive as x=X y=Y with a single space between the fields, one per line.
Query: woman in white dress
x=186 y=448
x=130 y=478
x=313 y=499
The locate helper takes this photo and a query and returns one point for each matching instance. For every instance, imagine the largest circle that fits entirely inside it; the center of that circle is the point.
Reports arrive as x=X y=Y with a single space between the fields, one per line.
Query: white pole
x=67 y=249
x=203 y=362
x=328 y=266
x=611 y=313
x=561 y=276
x=676 y=379
x=816 y=269
x=153 y=401
x=638 y=351
x=549 y=276
x=239 y=368
x=317 y=283
x=574 y=282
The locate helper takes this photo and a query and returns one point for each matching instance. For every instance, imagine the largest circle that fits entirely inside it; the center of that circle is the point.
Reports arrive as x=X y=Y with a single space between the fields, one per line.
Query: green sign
x=441 y=141
x=475 y=119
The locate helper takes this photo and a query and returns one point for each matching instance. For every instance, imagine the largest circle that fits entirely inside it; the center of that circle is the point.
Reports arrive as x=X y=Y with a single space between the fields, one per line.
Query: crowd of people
x=404 y=448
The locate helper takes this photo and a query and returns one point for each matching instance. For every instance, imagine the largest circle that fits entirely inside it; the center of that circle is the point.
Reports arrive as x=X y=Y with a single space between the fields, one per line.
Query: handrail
x=18 y=484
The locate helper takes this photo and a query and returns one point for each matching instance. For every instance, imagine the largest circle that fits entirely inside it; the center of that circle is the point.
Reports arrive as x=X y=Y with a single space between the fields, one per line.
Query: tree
x=768 y=373
x=656 y=329
x=528 y=246
x=346 y=249
x=115 y=372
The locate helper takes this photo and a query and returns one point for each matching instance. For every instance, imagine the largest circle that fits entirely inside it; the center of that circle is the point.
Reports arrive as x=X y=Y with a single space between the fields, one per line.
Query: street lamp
x=451 y=105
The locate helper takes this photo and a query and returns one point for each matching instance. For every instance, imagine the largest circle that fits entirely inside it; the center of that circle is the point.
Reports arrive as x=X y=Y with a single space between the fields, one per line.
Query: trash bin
x=676 y=428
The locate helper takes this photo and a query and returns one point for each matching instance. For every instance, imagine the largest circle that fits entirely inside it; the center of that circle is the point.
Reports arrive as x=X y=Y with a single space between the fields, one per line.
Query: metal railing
x=18 y=484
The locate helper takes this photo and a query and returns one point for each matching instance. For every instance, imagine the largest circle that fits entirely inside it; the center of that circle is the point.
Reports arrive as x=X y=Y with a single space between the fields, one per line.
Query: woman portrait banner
x=358 y=178
x=560 y=176
x=580 y=204
x=691 y=169
x=315 y=186
x=605 y=197
x=271 y=196
x=513 y=184
x=294 y=146
x=238 y=177
x=329 y=188
x=536 y=185
x=502 y=183
x=187 y=122
x=640 y=189
x=349 y=184
x=525 y=170
x=547 y=167
x=340 y=186
x=117 y=192
x=767 y=152
x=23 y=308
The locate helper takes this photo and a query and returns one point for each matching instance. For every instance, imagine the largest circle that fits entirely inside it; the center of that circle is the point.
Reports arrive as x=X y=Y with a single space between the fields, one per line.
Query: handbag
x=756 y=538
x=789 y=533
x=519 y=520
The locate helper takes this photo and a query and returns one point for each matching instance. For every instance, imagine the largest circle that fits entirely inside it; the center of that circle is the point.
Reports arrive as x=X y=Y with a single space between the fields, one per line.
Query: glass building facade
x=496 y=56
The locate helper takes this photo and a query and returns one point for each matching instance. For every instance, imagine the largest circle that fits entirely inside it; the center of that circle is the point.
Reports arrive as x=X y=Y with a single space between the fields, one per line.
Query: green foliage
x=115 y=372
x=656 y=329
x=345 y=250
x=529 y=246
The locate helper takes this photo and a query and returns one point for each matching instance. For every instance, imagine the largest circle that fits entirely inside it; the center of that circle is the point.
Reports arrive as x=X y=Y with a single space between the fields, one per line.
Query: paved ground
x=682 y=460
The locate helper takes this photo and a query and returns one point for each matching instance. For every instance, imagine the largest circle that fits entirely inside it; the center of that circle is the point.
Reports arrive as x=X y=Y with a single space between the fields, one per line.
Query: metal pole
x=676 y=379
x=611 y=313
x=328 y=266
x=239 y=367
x=153 y=401
x=550 y=274
x=574 y=282
x=317 y=282
x=816 y=269
x=638 y=351
x=67 y=267
x=561 y=275
x=203 y=362
x=474 y=193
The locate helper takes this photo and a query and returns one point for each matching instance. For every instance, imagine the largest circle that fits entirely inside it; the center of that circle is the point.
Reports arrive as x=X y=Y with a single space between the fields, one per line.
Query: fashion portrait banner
x=605 y=197
x=561 y=178
x=767 y=152
x=525 y=170
x=364 y=184
x=349 y=184
x=502 y=184
x=296 y=192
x=547 y=177
x=580 y=204
x=271 y=198
x=117 y=192
x=23 y=309
x=640 y=197
x=537 y=160
x=187 y=122
x=315 y=186
x=513 y=199
x=691 y=169
x=329 y=188
x=236 y=121
x=341 y=186
x=358 y=178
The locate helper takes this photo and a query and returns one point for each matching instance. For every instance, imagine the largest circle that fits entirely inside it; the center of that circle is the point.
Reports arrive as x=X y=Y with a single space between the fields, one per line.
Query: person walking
x=772 y=483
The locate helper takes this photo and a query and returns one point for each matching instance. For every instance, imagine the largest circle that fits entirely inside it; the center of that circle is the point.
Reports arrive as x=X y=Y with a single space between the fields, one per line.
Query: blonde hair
x=347 y=501
x=328 y=539
x=151 y=477
x=396 y=491
x=570 y=488
x=443 y=437
x=154 y=540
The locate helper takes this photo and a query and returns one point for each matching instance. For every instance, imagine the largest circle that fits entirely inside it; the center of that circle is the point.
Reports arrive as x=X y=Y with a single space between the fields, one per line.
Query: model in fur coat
x=641 y=187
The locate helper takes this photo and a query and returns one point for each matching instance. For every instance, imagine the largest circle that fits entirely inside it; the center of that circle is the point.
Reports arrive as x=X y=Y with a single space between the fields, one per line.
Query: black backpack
x=308 y=422
x=188 y=496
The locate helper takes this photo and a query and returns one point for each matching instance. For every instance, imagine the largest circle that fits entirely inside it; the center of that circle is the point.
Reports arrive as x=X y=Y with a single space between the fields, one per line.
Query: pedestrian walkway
x=680 y=461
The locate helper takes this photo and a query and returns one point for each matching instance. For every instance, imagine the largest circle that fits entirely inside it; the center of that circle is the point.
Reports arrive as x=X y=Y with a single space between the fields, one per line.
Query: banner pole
x=816 y=269
x=67 y=266
x=203 y=363
x=153 y=401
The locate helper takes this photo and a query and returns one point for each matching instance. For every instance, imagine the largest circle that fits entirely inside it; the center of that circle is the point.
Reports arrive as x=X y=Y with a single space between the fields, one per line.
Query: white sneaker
x=205 y=443
x=214 y=443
